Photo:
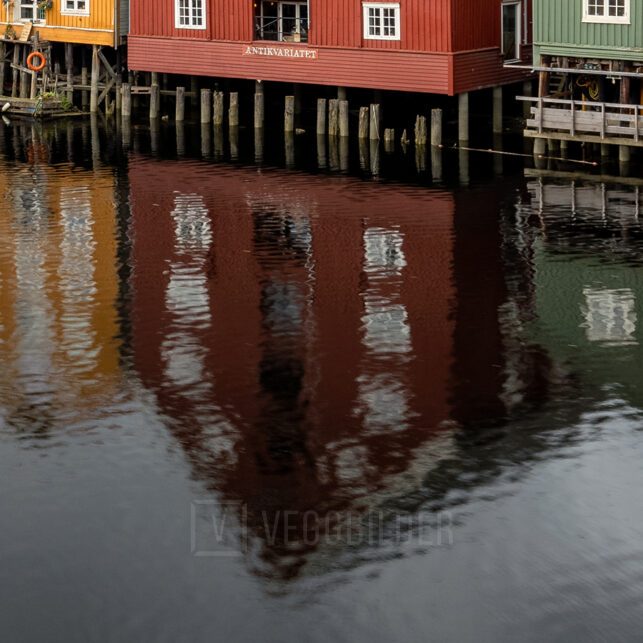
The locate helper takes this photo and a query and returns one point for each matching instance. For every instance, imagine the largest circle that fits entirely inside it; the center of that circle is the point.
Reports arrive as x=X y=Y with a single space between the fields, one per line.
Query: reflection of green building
x=588 y=289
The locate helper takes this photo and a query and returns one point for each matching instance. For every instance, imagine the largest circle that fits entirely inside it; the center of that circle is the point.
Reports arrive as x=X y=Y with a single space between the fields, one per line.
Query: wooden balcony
x=609 y=123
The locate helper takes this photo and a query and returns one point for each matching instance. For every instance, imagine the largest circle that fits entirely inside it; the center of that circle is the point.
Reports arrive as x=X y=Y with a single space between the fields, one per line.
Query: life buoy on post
x=36 y=66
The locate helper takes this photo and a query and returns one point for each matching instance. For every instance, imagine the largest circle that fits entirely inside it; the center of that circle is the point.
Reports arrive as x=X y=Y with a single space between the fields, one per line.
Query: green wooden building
x=589 y=57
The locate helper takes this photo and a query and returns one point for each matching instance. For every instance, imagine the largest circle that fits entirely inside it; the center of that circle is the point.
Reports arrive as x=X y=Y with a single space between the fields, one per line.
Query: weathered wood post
x=84 y=81
x=321 y=120
x=233 y=135
x=526 y=105
x=194 y=92
x=180 y=105
x=497 y=110
x=289 y=145
x=93 y=97
x=233 y=111
x=289 y=114
x=16 y=61
x=463 y=117
x=376 y=120
x=69 y=65
x=341 y=93
x=343 y=153
x=333 y=117
x=436 y=163
x=206 y=105
x=34 y=85
x=321 y=151
x=259 y=108
x=363 y=123
x=180 y=137
x=436 y=127
x=463 y=166
x=389 y=140
x=420 y=131
x=126 y=91
x=155 y=101
x=218 y=109
x=25 y=80
x=119 y=95
x=3 y=67
x=258 y=144
x=206 y=138
x=343 y=118
x=624 y=151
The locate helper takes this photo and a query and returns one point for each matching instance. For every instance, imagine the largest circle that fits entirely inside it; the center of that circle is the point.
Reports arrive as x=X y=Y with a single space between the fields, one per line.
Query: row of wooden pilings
x=332 y=115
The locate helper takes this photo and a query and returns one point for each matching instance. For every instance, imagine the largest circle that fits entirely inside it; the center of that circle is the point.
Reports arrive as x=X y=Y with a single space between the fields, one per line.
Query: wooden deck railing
x=611 y=122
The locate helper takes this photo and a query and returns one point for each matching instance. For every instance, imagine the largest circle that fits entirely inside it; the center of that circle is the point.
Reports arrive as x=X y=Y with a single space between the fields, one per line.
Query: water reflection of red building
x=298 y=333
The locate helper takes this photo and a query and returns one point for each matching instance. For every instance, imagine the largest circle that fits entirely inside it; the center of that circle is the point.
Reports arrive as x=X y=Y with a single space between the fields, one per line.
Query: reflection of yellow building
x=58 y=287
x=89 y=22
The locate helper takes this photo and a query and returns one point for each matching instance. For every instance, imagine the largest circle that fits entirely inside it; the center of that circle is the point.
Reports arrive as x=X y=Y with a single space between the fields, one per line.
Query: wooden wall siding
x=98 y=28
x=479 y=69
x=371 y=69
x=559 y=29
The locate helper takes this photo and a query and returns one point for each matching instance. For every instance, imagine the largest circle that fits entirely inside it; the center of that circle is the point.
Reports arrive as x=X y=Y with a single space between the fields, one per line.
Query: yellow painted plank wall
x=98 y=28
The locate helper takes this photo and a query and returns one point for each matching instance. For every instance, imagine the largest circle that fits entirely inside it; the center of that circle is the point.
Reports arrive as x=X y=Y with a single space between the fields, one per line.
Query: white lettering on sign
x=284 y=52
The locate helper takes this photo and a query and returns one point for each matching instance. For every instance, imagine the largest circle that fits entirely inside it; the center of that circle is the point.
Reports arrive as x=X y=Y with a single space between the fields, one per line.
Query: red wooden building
x=433 y=46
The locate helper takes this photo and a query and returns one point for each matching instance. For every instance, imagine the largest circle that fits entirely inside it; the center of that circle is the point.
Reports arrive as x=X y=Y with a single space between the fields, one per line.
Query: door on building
x=511 y=31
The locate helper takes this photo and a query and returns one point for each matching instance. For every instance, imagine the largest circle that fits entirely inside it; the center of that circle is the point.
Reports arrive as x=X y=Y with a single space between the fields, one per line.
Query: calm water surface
x=255 y=404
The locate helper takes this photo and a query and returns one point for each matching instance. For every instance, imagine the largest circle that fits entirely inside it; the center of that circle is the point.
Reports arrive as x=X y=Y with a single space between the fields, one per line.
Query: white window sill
x=607 y=20
x=187 y=28
x=381 y=38
x=74 y=13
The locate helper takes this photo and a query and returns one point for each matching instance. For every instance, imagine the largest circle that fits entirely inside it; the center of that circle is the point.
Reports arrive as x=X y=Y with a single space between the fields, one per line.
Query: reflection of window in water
x=193 y=228
x=610 y=315
x=385 y=320
x=77 y=270
x=186 y=296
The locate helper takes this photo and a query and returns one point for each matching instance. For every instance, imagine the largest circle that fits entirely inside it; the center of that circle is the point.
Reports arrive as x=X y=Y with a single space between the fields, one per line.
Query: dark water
x=255 y=404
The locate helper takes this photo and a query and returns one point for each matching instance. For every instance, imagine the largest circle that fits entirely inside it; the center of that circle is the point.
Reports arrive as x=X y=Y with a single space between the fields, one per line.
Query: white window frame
x=395 y=6
x=605 y=18
x=36 y=20
x=519 y=28
x=191 y=25
x=74 y=12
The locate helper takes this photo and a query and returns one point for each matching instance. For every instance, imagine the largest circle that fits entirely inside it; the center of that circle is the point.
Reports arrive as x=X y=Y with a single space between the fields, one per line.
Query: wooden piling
x=389 y=140
x=233 y=111
x=25 y=81
x=376 y=120
x=69 y=66
x=16 y=61
x=119 y=95
x=341 y=93
x=180 y=104
x=436 y=127
x=363 y=123
x=93 y=97
x=84 y=80
x=333 y=117
x=3 y=67
x=289 y=114
x=33 y=93
x=497 y=110
x=321 y=117
x=259 y=107
x=206 y=105
x=155 y=101
x=420 y=130
x=343 y=118
x=126 y=91
x=463 y=117
x=218 y=108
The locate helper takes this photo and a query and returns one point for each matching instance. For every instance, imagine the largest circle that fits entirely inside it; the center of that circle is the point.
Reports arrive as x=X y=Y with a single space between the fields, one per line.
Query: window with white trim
x=381 y=20
x=189 y=14
x=28 y=11
x=75 y=7
x=610 y=11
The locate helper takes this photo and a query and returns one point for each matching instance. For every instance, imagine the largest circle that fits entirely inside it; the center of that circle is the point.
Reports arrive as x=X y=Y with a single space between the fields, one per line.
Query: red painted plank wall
x=334 y=23
x=425 y=25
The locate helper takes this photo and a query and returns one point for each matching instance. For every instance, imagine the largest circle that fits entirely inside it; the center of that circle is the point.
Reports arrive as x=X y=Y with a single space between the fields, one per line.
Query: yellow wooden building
x=87 y=22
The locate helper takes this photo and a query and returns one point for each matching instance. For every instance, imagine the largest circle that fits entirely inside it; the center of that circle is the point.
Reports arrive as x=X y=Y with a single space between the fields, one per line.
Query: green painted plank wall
x=559 y=30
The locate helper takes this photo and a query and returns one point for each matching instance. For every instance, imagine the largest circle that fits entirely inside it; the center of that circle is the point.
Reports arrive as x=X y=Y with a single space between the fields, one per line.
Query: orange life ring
x=41 y=65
